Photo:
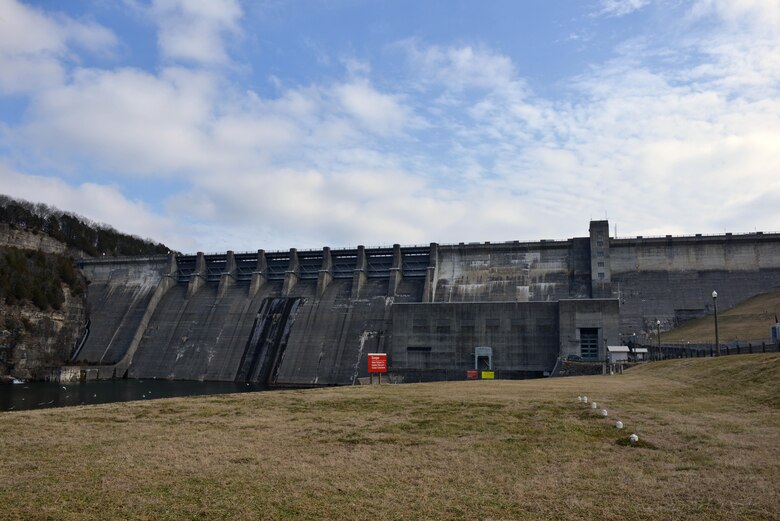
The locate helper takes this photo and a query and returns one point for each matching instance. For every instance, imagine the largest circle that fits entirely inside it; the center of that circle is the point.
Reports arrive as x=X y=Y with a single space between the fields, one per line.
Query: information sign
x=377 y=362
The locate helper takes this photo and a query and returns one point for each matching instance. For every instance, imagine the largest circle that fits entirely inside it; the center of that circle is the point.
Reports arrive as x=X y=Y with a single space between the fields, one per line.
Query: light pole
x=715 y=305
x=658 y=336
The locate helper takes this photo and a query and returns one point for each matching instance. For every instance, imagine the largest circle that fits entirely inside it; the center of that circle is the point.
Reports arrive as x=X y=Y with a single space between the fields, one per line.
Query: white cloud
x=379 y=112
x=126 y=119
x=28 y=73
x=461 y=67
x=25 y=30
x=621 y=7
x=763 y=15
x=100 y=203
x=34 y=44
x=657 y=136
x=194 y=30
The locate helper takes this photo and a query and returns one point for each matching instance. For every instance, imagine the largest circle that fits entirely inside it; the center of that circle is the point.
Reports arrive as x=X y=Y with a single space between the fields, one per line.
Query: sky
x=216 y=125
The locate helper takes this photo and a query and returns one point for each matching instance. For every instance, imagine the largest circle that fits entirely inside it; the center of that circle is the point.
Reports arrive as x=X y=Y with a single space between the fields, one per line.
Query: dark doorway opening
x=589 y=343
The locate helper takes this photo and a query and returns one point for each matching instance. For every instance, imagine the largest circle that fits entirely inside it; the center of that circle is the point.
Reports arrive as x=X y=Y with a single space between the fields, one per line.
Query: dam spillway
x=307 y=318
x=278 y=318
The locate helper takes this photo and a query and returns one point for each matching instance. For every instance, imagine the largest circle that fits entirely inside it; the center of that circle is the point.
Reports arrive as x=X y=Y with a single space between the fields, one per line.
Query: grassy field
x=749 y=320
x=709 y=429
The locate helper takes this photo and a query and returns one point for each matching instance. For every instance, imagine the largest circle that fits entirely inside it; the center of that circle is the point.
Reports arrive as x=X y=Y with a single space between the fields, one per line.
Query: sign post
x=377 y=363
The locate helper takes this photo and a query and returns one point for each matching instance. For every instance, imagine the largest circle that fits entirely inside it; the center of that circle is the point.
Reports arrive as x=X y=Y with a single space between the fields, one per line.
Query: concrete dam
x=309 y=318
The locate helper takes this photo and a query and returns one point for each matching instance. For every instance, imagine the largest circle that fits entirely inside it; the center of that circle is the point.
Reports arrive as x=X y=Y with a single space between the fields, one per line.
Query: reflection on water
x=38 y=395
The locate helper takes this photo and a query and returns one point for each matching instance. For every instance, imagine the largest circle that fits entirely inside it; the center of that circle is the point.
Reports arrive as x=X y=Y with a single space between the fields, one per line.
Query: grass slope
x=749 y=320
x=709 y=429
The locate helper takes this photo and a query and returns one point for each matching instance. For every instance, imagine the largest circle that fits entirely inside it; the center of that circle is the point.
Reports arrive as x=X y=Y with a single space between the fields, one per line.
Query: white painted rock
x=618 y=424
x=604 y=412
x=633 y=438
x=585 y=399
x=594 y=405
x=579 y=398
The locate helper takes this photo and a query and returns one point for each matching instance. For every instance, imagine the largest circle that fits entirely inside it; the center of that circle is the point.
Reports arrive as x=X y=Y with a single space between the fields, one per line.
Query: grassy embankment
x=749 y=320
x=710 y=432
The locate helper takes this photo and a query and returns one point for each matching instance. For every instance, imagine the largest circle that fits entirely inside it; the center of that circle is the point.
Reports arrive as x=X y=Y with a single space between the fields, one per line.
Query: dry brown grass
x=749 y=320
x=465 y=450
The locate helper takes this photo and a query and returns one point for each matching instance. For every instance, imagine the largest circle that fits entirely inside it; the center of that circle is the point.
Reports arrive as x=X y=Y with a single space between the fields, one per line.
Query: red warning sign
x=377 y=362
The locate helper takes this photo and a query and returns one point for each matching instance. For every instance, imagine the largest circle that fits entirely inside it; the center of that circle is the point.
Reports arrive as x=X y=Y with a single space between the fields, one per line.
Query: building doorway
x=589 y=343
x=483 y=358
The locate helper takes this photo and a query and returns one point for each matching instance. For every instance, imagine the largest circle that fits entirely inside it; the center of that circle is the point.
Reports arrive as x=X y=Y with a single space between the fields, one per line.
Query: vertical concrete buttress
x=429 y=290
x=173 y=268
x=600 y=269
x=199 y=277
x=360 y=276
x=325 y=276
x=228 y=277
x=396 y=272
x=260 y=275
x=292 y=274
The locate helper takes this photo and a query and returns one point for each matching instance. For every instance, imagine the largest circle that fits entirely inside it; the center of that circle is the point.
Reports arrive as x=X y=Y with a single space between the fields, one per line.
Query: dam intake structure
x=308 y=318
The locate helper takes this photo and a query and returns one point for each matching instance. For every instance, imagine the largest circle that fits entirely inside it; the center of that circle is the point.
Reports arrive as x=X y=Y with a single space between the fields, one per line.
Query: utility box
x=618 y=353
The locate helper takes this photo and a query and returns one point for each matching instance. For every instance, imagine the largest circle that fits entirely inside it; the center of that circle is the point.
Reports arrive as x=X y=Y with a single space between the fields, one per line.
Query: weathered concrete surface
x=671 y=279
x=200 y=337
x=303 y=318
x=526 y=338
x=602 y=315
x=217 y=319
x=118 y=295
x=517 y=272
x=332 y=335
x=431 y=340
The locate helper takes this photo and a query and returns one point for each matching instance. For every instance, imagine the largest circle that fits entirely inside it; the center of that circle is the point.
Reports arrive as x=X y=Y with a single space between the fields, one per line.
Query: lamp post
x=658 y=336
x=715 y=305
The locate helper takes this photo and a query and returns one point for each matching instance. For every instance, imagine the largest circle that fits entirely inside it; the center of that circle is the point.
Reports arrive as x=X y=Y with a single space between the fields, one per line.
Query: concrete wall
x=518 y=272
x=671 y=279
x=428 y=339
x=600 y=314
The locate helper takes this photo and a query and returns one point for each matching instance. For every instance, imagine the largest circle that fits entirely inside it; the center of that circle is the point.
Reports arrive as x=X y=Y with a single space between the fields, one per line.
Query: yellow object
x=488 y=375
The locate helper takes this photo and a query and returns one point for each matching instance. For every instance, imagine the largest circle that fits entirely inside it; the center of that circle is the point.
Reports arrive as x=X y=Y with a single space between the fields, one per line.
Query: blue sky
x=270 y=124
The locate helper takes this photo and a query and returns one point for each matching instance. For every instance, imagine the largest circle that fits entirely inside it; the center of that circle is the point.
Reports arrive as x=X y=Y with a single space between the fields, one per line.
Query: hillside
x=74 y=231
x=708 y=431
x=749 y=320
x=42 y=296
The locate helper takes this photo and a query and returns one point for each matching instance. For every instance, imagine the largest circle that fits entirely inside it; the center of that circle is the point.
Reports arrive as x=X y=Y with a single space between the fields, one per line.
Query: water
x=40 y=395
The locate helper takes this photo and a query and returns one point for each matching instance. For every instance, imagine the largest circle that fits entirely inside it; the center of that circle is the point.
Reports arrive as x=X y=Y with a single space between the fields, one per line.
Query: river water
x=39 y=395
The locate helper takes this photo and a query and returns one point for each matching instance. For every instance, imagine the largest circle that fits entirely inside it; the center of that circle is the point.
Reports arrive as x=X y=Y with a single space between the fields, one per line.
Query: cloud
x=763 y=15
x=381 y=113
x=461 y=67
x=620 y=7
x=671 y=134
x=28 y=73
x=194 y=30
x=101 y=203
x=126 y=119
x=33 y=46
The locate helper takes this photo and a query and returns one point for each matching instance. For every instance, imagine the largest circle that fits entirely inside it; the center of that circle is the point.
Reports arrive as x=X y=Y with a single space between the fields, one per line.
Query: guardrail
x=668 y=351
